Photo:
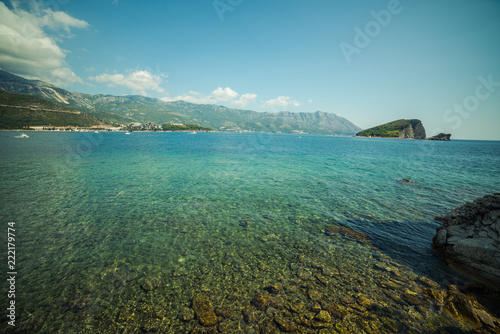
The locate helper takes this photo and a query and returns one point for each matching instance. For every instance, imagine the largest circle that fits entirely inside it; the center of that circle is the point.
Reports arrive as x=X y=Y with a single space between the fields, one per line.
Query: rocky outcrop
x=441 y=136
x=463 y=306
x=469 y=239
x=413 y=131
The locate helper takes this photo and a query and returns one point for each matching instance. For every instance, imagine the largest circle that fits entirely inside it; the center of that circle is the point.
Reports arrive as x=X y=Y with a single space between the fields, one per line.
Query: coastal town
x=149 y=126
x=142 y=127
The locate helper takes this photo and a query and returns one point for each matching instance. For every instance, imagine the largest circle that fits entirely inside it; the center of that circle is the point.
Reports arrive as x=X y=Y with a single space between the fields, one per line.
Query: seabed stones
x=464 y=307
x=337 y=290
x=151 y=284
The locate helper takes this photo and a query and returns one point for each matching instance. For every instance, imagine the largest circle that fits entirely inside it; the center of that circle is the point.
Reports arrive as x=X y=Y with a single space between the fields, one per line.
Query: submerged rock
x=298 y=308
x=346 y=232
x=363 y=301
x=79 y=302
x=338 y=311
x=204 y=310
x=314 y=294
x=150 y=284
x=245 y=222
x=323 y=316
x=462 y=306
x=263 y=300
x=469 y=239
x=224 y=312
x=268 y=327
x=250 y=315
x=284 y=324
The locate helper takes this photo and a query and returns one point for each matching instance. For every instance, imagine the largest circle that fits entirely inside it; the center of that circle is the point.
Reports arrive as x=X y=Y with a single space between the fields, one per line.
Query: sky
x=368 y=61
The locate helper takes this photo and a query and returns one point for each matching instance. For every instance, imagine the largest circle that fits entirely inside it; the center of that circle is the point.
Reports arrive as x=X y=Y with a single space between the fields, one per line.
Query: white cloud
x=245 y=100
x=280 y=102
x=26 y=49
x=61 y=20
x=191 y=96
x=225 y=94
x=217 y=96
x=138 y=81
x=64 y=74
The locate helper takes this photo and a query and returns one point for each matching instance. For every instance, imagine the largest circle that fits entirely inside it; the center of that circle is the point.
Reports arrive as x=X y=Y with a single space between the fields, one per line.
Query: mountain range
x=141 y=109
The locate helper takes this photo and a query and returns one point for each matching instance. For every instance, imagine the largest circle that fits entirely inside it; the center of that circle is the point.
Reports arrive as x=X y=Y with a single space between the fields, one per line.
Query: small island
x=441 y=136
x=402 y=128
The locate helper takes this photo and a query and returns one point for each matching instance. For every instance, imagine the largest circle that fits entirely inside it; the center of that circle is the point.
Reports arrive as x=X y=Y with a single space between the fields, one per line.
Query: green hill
x=402 y=128
x=20 y=111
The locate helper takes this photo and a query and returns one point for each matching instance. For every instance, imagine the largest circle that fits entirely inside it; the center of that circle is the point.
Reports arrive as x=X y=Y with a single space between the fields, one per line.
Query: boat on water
x=96 y=131
x=127 y=133
x=193 y=133
x=22 y=135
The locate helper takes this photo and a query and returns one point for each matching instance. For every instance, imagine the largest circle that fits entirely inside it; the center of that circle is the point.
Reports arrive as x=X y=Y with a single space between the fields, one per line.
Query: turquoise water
x=116 y=233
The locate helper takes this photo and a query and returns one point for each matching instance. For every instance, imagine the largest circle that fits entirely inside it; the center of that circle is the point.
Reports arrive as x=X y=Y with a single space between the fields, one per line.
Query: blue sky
x=369 y=61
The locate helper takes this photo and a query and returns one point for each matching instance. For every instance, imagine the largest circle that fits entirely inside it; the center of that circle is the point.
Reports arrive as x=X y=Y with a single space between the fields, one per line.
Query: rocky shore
x=469 y=239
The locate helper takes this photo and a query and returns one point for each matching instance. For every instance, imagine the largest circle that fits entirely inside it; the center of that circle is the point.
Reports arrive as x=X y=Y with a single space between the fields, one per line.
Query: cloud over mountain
x=217 y=96
x=137 y=81
x=244 y=100
x=281 y=102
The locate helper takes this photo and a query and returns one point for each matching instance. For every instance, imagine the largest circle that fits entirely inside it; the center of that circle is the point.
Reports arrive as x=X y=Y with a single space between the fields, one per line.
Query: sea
x=173 y=232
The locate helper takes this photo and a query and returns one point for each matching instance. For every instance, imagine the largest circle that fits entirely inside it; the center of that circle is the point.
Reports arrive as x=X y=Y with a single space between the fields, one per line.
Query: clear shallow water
x=116 y=233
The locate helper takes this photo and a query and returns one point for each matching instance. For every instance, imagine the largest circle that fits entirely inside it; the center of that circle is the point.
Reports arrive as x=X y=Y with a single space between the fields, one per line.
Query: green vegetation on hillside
x=185 y=127
x=18 y=111
x=388 y=130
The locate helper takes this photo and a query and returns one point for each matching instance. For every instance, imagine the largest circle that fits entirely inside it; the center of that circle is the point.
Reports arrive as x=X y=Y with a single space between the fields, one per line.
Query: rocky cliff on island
x=469 y=239
x=403 y=128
